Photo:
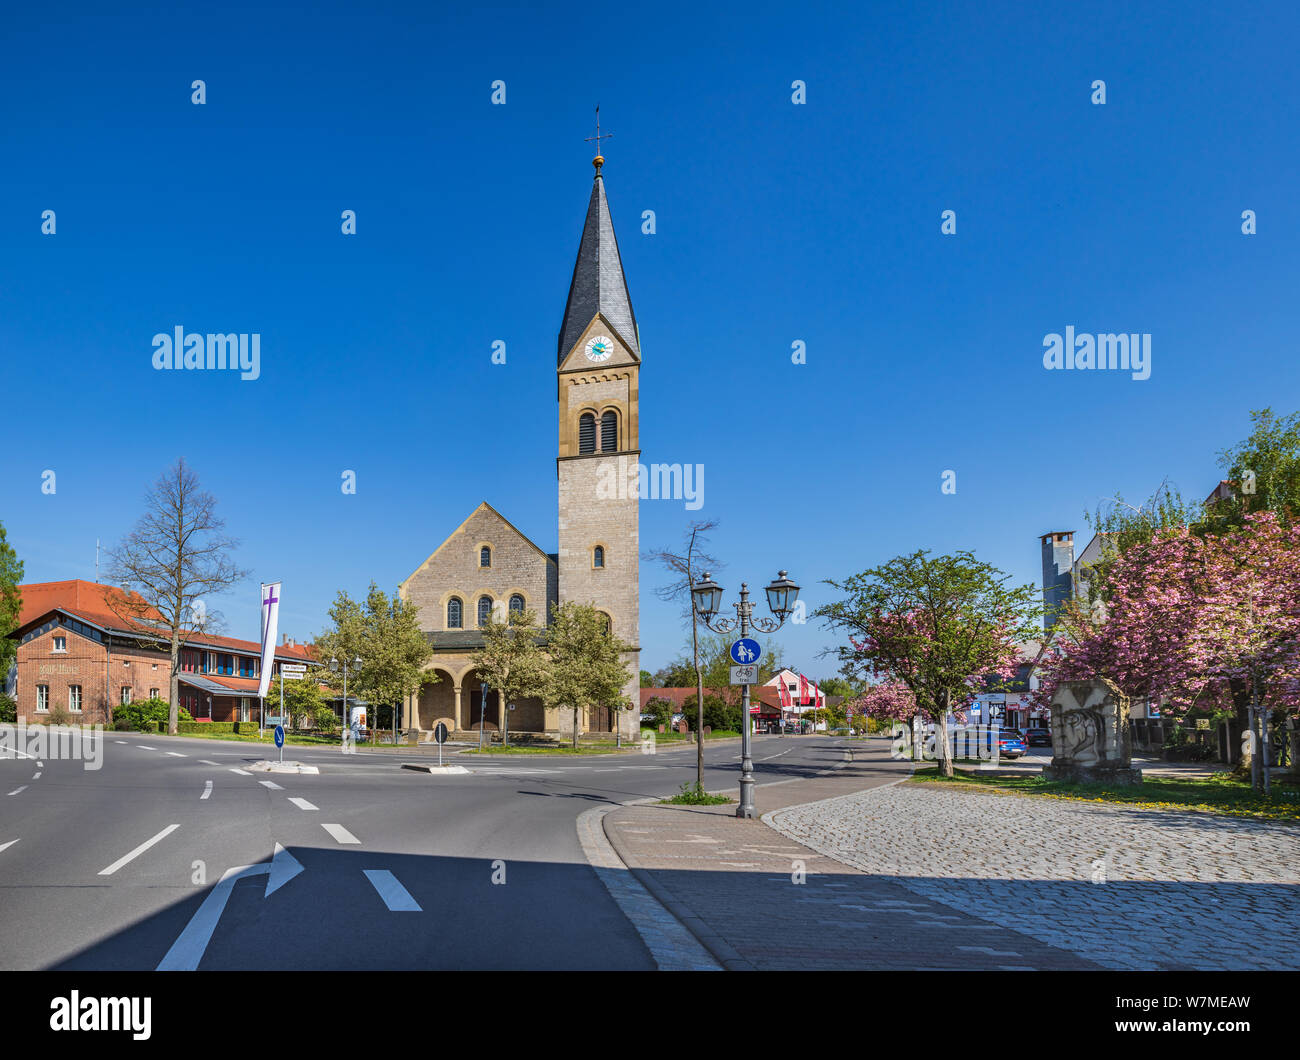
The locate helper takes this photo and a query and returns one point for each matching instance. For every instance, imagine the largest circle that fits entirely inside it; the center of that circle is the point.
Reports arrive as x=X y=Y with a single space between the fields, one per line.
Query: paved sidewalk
x=758 y=900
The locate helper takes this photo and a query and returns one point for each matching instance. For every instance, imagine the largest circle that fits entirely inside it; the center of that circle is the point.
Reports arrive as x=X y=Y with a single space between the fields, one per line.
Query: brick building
x=77 y=654
x=487 y=563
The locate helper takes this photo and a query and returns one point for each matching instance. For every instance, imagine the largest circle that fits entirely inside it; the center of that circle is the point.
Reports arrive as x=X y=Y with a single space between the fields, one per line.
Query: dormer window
x=60 y=644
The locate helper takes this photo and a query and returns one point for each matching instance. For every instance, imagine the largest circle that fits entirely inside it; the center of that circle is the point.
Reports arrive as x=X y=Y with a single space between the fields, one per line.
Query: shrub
x=8 y=709
x=717 y=714
x=660 y=711
x=156 y=710
x=58 y=715
x=325 y=719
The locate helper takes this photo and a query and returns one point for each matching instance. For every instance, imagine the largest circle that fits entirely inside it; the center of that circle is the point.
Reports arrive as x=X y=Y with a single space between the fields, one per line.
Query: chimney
x=286 y=640
x=1058 y=573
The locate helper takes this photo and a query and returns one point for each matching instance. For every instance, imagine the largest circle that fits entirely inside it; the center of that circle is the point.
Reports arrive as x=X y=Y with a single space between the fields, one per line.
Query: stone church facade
x=488 y=564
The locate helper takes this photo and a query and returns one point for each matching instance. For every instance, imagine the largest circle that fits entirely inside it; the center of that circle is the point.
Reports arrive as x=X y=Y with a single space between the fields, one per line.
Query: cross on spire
x=599 y=160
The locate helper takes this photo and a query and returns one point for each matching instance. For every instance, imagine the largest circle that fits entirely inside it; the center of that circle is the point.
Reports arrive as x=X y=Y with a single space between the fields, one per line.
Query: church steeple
x=598 y=284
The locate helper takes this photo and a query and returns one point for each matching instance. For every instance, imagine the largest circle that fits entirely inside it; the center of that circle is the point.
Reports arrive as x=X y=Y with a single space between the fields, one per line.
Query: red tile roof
x=89 y=601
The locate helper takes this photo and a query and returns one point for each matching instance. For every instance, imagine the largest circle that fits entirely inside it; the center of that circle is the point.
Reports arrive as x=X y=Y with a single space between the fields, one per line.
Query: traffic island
x=282 y=767
x=434 y=769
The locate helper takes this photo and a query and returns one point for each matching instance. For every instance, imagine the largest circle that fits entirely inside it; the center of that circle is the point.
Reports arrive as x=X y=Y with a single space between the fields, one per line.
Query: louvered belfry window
x=587 y=433
x=609 y=432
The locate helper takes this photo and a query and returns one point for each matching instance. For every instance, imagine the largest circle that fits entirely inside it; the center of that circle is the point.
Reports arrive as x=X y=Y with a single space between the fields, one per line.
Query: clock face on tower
x=599 y=348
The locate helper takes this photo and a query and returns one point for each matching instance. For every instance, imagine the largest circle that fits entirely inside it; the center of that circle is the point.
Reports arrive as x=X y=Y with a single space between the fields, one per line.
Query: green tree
x=647 y=679
x=939 y=625
x=1264 y=470
x=660 y=710
x=174 y=558
x=11 y=602
x=511 y=660
x=385 y=635
x=586 y=665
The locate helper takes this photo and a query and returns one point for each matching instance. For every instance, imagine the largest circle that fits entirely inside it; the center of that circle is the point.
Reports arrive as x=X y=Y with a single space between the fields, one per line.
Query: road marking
x=40 y=765
x=144 y=748
x=207 y=789
x=138 y=850
x=204 y=761
x=302 y=804
x=188 y=949
x=18 y=790
x=176 y=754
x=6 y=846
x=395 y=896
x=271 y=784
x=119 y=741
x=241 y=772
x=341 y=834
x=36 y=775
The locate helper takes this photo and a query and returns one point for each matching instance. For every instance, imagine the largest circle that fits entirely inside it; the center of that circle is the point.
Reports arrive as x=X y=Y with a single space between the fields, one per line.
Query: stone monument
x=1091 y=741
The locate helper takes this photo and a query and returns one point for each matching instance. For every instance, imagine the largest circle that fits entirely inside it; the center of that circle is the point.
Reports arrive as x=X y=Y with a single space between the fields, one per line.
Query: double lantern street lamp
x=706 y=598
x=334 y=668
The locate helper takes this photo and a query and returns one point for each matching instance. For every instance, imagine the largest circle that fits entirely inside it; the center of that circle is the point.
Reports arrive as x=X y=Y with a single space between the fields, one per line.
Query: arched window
x=484 y=609
x=609 y=625
x=586 y=433
x=609 y=431
x=598 y=556
x=516 y=603
x=453 y=613
x=485 y=556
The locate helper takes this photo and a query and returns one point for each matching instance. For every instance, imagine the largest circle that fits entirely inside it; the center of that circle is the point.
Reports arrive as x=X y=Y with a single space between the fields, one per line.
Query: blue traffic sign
x=279 y=736
x=746 y=651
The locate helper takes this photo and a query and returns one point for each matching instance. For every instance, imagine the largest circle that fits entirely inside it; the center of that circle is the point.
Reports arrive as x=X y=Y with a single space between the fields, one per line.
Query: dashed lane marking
x=271 y=784
x=241 y=772
x=36 y=775
x=139 y=850
x=18 y=791
x=341 y=834
x=144 y=748
x=395 y=896
x=302 y=804
x=205 y=762
x=6 y=846
x=207 y=789
x=176 y=754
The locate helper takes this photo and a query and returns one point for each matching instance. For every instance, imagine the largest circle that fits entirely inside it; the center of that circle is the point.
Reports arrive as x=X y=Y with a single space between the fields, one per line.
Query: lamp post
x=334 y=668
x=706 y=598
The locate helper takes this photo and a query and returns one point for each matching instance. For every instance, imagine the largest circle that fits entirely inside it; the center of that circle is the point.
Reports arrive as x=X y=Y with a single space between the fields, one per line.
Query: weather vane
x=600 y=158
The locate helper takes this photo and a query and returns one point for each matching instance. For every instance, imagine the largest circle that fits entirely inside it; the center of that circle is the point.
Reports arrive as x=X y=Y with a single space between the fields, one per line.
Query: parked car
x=1011 y=743
x=1038 y=737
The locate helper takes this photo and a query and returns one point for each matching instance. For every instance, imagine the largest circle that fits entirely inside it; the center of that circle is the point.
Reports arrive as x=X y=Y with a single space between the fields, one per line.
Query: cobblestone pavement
x=1123 y=887
x=758 y=900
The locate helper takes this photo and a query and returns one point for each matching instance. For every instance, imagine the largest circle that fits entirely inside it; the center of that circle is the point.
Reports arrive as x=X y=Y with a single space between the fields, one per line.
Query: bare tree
x=684 y=566
x=175 y=557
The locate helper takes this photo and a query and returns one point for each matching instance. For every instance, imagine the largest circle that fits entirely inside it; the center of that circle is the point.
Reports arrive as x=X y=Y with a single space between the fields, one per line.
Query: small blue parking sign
x=279 y=736
x=745 y=651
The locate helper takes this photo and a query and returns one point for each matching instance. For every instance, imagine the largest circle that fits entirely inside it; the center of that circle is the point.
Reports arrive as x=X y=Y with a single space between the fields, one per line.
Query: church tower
x=599 y=360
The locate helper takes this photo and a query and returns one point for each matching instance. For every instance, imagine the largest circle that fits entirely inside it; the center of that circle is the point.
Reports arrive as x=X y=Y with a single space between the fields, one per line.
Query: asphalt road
x=379 y=867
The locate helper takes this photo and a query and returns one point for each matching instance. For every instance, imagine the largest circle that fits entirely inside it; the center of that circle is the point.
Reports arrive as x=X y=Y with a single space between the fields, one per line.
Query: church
x=488 y=563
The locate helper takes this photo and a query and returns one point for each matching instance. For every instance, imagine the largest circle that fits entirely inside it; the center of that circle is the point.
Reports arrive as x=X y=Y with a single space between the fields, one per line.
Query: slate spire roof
x=598 y=285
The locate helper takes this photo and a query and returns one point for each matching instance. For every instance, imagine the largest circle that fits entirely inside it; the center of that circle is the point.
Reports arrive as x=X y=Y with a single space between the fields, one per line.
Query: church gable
x=485 y=558
x=621 y=353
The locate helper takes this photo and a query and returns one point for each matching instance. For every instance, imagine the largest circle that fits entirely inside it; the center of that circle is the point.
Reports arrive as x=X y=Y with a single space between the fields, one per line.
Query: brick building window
x=454 y=613
x=74 y=698
x=609 y=432
x=153 y=694
x=485 y=556
x=60 y=643
x=243 y=710
x=484 y=609
x=126 y=695
x=42 y=698
x=586 y=433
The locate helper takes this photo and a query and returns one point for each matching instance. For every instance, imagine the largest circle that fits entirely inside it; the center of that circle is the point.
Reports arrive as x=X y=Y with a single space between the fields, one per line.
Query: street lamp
x=706 y=596
x=334 y=668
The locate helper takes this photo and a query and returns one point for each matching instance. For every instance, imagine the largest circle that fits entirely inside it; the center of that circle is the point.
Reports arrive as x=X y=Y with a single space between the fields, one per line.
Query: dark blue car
x=1011 y=743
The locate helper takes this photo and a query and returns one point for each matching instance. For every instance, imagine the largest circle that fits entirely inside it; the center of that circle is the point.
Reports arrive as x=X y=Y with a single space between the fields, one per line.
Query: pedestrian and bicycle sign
x=744 y=651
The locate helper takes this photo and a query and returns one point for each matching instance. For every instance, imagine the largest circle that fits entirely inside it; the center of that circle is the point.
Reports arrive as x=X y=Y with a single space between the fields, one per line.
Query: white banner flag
x=270 y=627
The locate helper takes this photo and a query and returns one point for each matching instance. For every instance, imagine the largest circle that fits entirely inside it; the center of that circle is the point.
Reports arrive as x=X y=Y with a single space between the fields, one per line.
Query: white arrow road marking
x=207 y=789
x=138 y=850
x=176 y=754
x=395 y=896
x=18 y=790
x=271 y=784
x=340 y=833
x=302 y=804
x=36 y=775
x=190 y=945
x=6 y=846
x=241 y=772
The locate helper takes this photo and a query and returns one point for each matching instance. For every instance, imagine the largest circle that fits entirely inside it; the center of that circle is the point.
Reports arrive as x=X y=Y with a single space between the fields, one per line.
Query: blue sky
x=776 y=222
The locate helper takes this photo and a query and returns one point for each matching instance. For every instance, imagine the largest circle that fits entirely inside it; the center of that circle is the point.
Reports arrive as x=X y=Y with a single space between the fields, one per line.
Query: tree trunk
x=945 y=752
x=172 y=712
x=575 y=728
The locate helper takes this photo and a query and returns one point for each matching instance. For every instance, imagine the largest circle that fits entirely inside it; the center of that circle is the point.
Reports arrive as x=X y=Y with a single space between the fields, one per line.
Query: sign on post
x=744 y=675
x=744 y=651
x=440 y=735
